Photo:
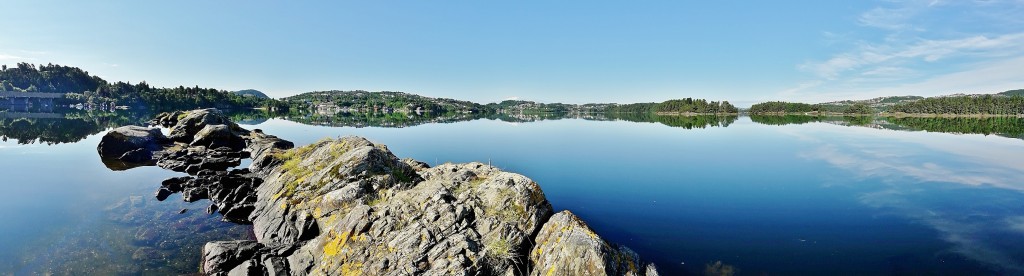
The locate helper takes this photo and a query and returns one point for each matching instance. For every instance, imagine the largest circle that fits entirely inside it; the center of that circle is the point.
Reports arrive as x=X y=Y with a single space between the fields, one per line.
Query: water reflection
x=399 y=120
x=55 y=128
x=1012 y=127
x=961 y=193
x=955 y=184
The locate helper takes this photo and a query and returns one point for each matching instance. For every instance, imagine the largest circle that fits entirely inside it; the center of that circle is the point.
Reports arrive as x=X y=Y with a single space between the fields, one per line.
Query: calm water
x=764 y=195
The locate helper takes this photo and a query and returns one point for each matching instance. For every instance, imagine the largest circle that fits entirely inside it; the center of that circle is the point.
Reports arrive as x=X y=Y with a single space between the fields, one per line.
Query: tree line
x=962 y=105
x=80 y=87
x=687 y=105
x=783 y=107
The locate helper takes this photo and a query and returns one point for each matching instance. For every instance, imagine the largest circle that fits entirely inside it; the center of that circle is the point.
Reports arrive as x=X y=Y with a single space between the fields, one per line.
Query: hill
x=360 y=101
x=251 y=93
x=1017 y=92
x=880 y=103
x=78 y=86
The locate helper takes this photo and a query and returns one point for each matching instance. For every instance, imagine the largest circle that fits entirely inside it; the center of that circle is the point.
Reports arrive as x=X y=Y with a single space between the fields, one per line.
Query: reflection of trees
x=1003 y=126
x=67 y=128
x=398 y=119
x=395 y=120
x=785 y=119
x=681 y=121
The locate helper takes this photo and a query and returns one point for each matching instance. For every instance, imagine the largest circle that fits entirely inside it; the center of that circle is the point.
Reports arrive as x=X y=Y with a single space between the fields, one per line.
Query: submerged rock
x=350 y=207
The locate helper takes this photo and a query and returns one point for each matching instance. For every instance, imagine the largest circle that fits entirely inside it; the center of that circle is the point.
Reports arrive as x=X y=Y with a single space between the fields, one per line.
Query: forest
x=81 y=87
x=965 y=105
x=687 y=105
x=783 y=107
x=360 y=101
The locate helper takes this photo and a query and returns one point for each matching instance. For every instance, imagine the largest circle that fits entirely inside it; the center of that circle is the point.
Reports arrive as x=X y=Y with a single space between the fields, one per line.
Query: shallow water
x=784 y=197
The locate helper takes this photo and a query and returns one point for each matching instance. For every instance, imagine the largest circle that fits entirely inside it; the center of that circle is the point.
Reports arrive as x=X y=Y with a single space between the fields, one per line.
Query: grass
x=502 y=213
x=472 y=185
x=500 y=252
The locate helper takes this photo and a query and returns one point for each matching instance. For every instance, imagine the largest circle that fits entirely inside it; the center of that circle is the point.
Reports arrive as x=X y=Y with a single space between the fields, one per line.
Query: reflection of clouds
x=967 y=232
x=1015 y=224
x=917 y=168
x=867 y=165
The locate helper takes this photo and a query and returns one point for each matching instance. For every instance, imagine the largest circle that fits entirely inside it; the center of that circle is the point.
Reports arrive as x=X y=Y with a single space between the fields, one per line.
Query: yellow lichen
x=352 y=269
x=334 y=246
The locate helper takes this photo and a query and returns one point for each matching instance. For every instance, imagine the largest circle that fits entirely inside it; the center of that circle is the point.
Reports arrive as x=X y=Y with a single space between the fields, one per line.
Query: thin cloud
x=914 y=52
x=11 y=57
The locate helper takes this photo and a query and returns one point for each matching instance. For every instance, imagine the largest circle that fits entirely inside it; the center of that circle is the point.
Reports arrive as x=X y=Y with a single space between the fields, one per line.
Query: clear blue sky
x=564 y=51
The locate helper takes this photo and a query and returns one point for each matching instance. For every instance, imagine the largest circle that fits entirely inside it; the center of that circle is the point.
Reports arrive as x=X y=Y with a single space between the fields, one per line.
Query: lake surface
x=777 y=195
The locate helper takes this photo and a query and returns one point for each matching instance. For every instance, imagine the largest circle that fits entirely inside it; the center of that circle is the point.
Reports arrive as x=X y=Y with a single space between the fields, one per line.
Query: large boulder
x=216 y=136
x=188 y=124
x=567 y=246
x=221 y=256
x=131 y=144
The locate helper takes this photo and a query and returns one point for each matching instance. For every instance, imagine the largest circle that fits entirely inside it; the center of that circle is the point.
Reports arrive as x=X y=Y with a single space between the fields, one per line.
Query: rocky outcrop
x=348 y=206
x=200 y=141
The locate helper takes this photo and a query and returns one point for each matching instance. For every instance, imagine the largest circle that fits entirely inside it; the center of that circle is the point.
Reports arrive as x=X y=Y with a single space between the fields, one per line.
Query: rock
x=567 y=246
x=216 y=136
x=190 y=123
x=163 y=193
x=167 y=119
x=223 y=256
x=132 y=144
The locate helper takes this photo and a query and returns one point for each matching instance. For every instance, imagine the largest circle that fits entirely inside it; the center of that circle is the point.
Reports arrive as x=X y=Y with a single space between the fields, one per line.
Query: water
x=776 y=195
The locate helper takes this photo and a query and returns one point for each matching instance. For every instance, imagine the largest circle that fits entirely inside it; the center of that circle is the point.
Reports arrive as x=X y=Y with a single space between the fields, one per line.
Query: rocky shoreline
x=350 y=207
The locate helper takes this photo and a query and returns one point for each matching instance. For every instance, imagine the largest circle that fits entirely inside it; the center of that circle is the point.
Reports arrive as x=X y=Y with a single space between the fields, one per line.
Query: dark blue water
x=815 y=198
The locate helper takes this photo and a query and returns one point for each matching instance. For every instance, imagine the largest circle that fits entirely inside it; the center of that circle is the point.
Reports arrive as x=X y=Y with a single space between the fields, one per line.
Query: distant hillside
x=79 y=87
x=879 y=104
x=384 y=101
x=252 y=93
x=1017 y=92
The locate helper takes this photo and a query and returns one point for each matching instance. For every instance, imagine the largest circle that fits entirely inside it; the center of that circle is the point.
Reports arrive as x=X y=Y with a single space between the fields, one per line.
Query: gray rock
x=190 y=123
x=216 y=136
x=223 y=256
x=132 y=144
x=567 y=246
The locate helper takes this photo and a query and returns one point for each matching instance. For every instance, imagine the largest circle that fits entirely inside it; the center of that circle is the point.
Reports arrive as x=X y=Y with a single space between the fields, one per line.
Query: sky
x=548 y=51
